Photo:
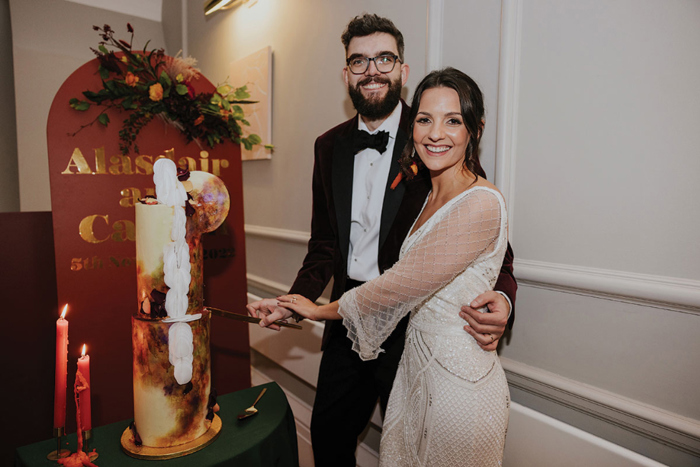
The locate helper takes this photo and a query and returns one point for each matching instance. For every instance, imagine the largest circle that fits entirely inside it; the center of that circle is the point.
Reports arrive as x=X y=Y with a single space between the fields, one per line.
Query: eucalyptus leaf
x=165 y=79
x=224 y=90
x=241 y=93
x=254 y=139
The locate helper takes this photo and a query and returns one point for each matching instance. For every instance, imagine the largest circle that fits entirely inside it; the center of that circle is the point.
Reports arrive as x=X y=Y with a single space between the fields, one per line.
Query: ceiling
x=147 y=9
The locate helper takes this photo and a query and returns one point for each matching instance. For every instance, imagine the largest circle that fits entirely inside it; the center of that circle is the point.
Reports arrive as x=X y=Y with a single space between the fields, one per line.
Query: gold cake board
x=171 y=452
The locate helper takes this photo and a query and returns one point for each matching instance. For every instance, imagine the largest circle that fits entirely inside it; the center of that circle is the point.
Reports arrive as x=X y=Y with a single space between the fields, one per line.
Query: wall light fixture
x=210 y=6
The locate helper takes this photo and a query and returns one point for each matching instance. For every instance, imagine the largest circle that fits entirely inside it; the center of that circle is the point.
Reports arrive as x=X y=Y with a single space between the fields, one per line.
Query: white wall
x=600 y=156
x=51 y=39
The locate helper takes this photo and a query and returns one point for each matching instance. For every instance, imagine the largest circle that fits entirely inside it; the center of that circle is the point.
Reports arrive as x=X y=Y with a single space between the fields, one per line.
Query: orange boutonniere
x=399 y=177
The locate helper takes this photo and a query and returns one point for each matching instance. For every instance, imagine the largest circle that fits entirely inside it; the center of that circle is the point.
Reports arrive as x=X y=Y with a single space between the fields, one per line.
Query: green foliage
x=146 y=84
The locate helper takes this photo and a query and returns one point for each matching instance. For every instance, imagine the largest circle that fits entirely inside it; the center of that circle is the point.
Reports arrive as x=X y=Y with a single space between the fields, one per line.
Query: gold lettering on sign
x=78 y=264
x=140 y=165
x=77 y=161
x=100 y=161
x=123 y=231
x=144 y=165
x=86 y=228
x=121 y=165
x=204 y=161
x=187 y=163
x=217 y=165
x=130 y=196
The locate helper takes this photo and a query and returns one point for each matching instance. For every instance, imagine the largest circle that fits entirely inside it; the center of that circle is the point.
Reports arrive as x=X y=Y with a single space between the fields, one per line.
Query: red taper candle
x=84 y=397
x=59 y=397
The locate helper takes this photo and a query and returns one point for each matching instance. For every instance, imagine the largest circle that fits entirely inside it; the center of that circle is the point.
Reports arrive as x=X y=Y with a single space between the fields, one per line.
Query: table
x=266 y=439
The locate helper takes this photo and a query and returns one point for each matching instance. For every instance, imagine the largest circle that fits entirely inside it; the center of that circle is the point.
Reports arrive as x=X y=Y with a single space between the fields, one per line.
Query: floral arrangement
x=149 y=84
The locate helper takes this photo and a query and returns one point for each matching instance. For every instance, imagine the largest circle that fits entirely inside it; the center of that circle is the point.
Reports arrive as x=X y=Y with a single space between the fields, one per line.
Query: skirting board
x=676 y=439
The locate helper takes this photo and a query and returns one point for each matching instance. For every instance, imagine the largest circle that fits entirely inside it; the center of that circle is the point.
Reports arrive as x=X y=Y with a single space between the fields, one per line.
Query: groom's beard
x=376 y=108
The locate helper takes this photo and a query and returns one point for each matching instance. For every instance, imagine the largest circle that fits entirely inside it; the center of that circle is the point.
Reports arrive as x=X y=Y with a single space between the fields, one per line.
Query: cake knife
x=249 y=319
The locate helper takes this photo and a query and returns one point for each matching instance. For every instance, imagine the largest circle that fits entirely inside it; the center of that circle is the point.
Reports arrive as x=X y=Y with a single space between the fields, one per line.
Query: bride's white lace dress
x=449 y=403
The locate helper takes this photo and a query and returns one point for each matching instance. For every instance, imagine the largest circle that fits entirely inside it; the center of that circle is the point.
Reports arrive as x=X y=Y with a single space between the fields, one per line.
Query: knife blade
x=246 y=318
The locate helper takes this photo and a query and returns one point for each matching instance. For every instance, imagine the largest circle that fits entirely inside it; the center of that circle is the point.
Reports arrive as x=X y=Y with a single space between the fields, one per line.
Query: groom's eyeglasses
x=385 y=63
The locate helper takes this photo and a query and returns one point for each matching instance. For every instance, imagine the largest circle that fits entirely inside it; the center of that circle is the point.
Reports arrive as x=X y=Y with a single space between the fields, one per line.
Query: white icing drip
x=176 y=270
x=169 y=190
x=180 y=351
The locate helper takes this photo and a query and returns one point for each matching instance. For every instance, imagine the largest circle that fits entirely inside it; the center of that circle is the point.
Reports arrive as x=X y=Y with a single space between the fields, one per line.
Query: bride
x=449 y=403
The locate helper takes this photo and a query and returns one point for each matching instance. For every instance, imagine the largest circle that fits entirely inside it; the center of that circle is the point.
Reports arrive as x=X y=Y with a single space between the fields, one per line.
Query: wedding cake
x=170 y=331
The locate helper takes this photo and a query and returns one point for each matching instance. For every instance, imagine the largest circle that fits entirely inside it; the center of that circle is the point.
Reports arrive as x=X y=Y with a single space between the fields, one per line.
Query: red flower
x=190 y=89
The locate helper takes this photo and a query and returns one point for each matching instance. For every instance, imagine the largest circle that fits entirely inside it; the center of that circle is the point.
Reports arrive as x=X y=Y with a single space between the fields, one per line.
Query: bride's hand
x=301 y=305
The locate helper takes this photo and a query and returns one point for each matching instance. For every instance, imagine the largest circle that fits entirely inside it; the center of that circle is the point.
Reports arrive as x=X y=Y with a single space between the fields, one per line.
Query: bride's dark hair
x=471 y=103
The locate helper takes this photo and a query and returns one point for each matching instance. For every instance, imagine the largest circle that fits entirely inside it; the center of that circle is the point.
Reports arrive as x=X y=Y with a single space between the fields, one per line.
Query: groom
x=358 y=225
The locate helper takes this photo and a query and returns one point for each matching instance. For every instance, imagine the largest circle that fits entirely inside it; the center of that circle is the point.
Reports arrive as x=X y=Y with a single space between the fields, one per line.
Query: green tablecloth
x=266 y=439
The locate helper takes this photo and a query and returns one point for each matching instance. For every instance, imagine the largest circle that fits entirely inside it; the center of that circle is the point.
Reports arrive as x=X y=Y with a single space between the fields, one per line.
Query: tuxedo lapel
x=392 y=198
x=342 y=176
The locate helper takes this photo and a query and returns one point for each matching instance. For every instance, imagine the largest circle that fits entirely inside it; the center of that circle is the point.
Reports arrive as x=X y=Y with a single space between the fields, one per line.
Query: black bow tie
x=362 y=140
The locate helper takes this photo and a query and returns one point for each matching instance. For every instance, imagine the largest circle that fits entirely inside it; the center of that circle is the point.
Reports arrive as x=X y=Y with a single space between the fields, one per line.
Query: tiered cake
x=170 y=332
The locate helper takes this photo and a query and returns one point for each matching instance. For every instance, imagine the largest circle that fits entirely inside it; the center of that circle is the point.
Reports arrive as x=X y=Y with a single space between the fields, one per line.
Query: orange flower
x=131 y=79
x=155 y=92
x=199 y=120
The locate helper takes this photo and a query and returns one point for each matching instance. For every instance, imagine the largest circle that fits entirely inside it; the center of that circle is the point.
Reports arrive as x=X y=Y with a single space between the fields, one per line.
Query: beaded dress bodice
x=449 y=403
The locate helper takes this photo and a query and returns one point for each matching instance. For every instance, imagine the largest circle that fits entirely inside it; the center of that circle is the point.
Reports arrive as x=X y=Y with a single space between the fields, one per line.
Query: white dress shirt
x=370 y=174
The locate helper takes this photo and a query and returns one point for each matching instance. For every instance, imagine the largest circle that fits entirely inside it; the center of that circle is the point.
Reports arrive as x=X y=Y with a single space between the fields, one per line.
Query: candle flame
x=84 y=347
x=65 y=308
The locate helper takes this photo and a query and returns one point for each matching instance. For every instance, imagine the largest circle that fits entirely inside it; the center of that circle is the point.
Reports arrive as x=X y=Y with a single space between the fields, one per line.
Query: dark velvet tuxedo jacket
x=327 y=254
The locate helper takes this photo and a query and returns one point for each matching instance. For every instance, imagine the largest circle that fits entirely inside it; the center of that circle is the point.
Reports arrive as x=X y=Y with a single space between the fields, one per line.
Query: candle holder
x=58 y=453
x=87 y=435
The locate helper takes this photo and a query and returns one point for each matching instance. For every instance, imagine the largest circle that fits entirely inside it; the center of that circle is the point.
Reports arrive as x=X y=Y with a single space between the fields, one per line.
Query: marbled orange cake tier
x=165 y=412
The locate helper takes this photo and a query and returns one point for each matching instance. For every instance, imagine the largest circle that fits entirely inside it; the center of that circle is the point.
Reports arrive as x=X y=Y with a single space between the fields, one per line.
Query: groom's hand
x=268 y=311
x=487 y=328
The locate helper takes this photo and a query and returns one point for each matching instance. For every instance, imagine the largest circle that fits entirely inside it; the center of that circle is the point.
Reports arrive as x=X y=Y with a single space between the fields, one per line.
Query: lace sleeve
x=470 y=227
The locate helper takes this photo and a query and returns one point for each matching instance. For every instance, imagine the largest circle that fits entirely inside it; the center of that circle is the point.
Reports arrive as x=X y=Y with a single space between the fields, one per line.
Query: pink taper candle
x=84 y=397
x=59 y=395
